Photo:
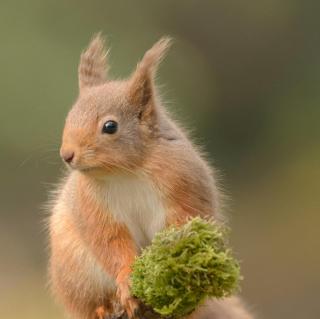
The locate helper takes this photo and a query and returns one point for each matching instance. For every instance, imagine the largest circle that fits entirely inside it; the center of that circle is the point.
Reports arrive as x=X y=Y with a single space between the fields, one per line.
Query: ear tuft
x=142 y=80
x=155 y=55
x=93 y=63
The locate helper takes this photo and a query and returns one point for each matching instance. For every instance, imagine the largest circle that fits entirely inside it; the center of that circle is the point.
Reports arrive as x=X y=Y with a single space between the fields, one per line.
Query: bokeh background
x=243 y=75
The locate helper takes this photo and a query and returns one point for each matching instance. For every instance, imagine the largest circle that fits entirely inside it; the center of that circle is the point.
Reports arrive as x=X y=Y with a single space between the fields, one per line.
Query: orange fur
x=122 y=188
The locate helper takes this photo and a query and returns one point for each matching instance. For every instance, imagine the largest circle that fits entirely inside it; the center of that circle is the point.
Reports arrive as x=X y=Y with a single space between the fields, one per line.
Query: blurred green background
x=243 y=75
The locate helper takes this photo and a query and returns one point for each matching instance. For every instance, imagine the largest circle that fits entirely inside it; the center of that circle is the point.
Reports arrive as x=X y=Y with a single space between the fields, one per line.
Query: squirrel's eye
x=110 y=127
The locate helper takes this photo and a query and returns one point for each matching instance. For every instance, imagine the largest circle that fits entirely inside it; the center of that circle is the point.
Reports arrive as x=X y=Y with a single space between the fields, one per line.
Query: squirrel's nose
x=67 y=156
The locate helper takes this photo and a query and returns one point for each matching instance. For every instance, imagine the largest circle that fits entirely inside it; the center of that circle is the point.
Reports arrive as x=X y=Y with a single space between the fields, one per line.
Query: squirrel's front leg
x=115 y=250
x=122 y=254
x=116 y=253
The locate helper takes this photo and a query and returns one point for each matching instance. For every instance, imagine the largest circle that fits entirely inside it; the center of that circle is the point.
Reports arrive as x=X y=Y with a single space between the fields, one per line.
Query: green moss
x=183 y=266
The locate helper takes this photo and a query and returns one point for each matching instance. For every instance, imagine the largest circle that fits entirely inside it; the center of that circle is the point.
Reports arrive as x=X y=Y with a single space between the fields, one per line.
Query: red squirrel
x=132 y=171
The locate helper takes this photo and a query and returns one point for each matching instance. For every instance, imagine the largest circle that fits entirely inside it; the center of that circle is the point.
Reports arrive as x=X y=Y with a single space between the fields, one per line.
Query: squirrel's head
x=113 y=123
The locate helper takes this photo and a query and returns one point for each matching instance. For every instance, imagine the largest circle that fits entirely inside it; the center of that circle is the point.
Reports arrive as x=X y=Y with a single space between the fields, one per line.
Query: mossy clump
x=183 y=266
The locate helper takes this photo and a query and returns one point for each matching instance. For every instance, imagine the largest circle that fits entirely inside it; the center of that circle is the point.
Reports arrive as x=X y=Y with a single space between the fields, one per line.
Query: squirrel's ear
x=93 y=64
x=141 y=83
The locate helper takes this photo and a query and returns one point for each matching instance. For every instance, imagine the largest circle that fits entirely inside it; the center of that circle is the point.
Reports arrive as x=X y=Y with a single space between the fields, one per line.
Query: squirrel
x=132 y=171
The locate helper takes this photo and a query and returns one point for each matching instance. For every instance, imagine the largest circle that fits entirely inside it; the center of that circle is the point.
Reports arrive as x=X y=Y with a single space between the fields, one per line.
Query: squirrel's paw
x=101 y=313
x=129 y=303
x=109 y=311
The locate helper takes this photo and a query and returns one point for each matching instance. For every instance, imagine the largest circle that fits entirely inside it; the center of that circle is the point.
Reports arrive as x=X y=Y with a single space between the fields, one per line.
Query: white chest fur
x=134 y=200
